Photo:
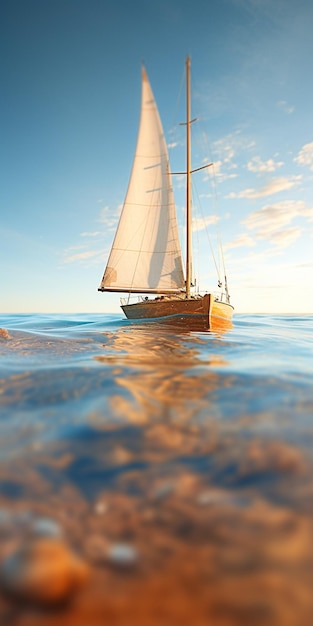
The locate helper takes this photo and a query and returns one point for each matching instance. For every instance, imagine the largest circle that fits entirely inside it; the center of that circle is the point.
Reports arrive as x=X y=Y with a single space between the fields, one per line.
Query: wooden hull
x=206 y=312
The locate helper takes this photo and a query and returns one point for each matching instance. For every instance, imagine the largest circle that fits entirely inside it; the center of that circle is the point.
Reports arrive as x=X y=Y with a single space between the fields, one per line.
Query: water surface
x=177 y=465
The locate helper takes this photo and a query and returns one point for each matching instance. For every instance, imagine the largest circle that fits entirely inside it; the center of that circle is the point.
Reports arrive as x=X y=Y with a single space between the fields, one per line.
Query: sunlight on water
x=155 y=476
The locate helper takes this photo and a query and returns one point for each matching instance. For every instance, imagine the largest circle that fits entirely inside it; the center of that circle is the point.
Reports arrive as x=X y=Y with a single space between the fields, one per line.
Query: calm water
x=183 y=458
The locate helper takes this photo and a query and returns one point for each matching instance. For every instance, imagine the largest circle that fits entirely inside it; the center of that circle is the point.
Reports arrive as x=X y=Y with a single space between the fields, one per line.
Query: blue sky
x=70 y=96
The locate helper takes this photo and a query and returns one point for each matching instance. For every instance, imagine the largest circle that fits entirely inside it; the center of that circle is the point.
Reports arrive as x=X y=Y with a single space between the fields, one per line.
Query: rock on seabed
x=44 y=571
x=122 y=555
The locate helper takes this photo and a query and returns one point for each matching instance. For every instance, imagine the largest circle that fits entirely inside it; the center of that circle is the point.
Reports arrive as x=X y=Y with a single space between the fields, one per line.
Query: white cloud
x=226 y=148
x=225 y=151
x=205 y=195
x=82 y=256
x=257 y=165
x=179 y=181
x=229 y=146
x=242 y=241
x=220 y=174
x=305 y=156
x=274 y=216
x=284 y=238
x=104 y=212
x=284 y=106
x=275 y=185
x=85 y=254
x=269 y=223
x=200 y=223
x=109 y=217
x=225 y=155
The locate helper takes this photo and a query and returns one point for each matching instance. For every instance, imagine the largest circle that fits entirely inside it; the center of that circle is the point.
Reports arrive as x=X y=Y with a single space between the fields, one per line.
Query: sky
x=70 y=96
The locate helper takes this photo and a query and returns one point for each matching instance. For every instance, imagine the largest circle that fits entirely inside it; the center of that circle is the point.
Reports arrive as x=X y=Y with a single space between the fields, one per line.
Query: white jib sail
x=146 y=254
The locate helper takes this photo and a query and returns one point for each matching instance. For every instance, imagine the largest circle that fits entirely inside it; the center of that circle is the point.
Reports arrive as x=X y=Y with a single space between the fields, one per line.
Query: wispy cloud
x=305 y=265
x=200 y=223
x=285 y=107
x=275 y=185
x=89 y=253
x=305 y=156
x=284 y=238
x=227 y=149
x=258 y=166
x=82 y=256
x=226 y=154
x=179 y=181
x=222 y=170
x=274 y=216
x=270 y=222
x=242 y=241
x=109 y=217
x=229 y=146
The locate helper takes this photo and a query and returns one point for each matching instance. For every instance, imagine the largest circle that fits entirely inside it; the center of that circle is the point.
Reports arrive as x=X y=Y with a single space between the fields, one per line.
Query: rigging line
x=195 y=190
x=175 y=124
x=176 y=140
x=207 y=234
x=196 y=255
x=216 y=263
x=214 y=186
x=217 y=227
x=219 y=239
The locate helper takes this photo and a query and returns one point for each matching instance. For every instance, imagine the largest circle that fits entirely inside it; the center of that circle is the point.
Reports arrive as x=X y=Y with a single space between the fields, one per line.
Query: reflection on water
x=161 y=375
x=149 y=477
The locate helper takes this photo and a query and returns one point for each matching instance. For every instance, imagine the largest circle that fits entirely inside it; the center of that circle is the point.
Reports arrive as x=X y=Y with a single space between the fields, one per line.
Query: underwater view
x=151 y=475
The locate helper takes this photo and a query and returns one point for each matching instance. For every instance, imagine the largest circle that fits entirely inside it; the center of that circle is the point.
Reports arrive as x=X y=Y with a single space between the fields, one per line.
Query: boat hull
x=206 y=311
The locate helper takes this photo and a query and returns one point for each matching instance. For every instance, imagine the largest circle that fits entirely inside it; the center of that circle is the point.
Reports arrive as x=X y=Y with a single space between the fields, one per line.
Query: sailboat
x=146 y=257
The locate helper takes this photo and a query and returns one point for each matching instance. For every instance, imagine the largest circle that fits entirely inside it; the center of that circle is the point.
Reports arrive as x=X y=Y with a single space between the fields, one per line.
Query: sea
x=153 y=475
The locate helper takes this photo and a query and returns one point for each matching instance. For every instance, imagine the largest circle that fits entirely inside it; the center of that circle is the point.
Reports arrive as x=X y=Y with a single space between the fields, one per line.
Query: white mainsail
x=146 y=255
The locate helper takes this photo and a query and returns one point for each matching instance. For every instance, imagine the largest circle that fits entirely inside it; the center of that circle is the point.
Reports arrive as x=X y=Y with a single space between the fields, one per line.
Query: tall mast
x=188 y=183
